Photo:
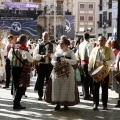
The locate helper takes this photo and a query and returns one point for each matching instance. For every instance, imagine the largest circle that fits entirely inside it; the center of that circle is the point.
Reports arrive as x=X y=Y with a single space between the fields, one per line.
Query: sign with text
x=21 y=5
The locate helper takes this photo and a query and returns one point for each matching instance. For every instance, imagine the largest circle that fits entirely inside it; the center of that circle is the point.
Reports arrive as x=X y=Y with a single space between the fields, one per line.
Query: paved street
x=39 y=110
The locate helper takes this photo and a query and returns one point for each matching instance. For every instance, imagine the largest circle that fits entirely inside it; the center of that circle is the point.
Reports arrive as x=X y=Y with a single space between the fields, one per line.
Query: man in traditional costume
x=7 y=66
x=42 y=53
x=101 y=55
x=18 y=55
x=83 y=56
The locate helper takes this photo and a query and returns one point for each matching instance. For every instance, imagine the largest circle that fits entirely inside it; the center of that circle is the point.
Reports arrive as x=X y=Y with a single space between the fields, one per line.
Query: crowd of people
x=55 y=64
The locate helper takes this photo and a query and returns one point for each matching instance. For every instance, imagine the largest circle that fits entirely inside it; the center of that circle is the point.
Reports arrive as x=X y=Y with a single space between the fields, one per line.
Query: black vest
x=42 y=50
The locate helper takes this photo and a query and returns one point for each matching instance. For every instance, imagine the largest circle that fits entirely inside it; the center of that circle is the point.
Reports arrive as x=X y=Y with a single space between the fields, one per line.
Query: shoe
x=5 y=87
x=18 y=107
x=25 y=96
x=40 y=98
x=89 y=98
x=117 y=105
x=81 y=94
x=105 y=108
x=66 y=108
x=95 y=107
x=57 y=107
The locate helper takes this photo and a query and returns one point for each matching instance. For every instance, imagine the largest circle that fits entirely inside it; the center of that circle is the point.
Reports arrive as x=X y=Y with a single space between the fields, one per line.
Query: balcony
x=109 y=5
x=68 y=13
x=100 y=7
x=99 y=24
x=109 y=22
x=59 y=12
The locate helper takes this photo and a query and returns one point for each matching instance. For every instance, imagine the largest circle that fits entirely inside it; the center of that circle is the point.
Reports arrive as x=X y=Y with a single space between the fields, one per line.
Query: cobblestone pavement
x=39 y=110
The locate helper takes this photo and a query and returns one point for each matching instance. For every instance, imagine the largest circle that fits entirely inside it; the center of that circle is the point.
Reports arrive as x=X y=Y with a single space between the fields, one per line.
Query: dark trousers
x=91 y=86
x=44 y=71
x=8 y=72
x=86 y=80
x=96 y=86
x=19 y=91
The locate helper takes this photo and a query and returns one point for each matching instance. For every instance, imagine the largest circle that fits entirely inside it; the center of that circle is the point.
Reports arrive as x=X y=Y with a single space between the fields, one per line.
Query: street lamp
x=105 y=25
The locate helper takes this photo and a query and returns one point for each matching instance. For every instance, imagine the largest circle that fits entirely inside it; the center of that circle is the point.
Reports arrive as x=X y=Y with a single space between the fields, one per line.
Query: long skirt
x=48 y=95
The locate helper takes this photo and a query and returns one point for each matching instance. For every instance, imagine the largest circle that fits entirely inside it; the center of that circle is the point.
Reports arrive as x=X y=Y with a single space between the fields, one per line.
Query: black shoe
x=25 y=96
x=40 y=98
x=5 y=87
x=18 y=107
x=57 y=107
x=105 y=108
x=89 y=98
x=117 y=105
x=95 y=107
x=81 y=94
x=66 y=108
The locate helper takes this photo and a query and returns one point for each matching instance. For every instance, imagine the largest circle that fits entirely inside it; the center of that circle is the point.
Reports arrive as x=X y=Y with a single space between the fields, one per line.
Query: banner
x=114 y=10
x=21 y=5
x=69 y=26
x=17 y=27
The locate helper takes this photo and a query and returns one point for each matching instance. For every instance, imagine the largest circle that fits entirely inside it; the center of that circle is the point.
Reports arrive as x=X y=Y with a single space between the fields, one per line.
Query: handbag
x=77 y=75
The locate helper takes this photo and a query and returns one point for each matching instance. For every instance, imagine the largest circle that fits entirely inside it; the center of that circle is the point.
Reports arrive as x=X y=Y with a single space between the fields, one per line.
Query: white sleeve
x=73 y=59
x=89 y=48
x=112 y=58
x=116 y=61
x=36 y=55
x=5 y=50
x=54 y=59
x=10 y=54
x=90 y=65
x=77 y=54
x=27 y=55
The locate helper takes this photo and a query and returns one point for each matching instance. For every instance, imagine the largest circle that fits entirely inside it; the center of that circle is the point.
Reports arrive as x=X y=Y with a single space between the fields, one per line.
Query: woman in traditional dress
x=2 y=62
x=116 y=85
x=64 y=88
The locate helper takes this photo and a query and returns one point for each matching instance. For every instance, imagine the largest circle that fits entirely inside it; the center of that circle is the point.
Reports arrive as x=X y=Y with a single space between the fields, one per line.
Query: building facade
x=86 y=17
x=47 y=19
x=104 y=18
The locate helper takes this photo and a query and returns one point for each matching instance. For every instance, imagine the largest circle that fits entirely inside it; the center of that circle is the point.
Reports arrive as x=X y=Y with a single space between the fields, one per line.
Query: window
x=100 y=5
x=81 y=29
x=82 y=18
x=99 y=34
x=90 y=6
x=110 y=19
x=90 y=18
x=100 y=21
x=109 y=34
x=110 y=4
x=82 y=6
x=59 y=9
x=110 y=15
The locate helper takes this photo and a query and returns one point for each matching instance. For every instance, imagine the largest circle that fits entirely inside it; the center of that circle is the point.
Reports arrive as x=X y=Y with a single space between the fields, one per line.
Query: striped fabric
x=16 y=62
